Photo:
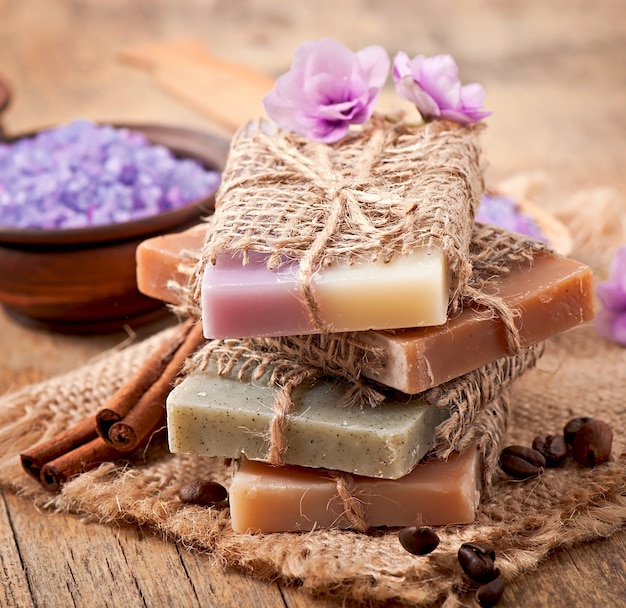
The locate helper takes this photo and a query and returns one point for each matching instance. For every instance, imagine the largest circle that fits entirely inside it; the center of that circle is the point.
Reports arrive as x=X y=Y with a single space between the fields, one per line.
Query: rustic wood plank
x=216 y=588
x=14 y=589
x=128 y=568
x=591 y=574
x=61 y=564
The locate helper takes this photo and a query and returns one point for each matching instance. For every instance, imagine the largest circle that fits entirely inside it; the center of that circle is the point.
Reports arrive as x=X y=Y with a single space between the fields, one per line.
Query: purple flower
x=505 y=213
x=610 y=321
x=432 y=84
x=327 y=89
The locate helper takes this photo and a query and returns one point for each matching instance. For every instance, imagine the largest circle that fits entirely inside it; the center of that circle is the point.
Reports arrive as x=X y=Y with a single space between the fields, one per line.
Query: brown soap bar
x=549 y=295
x=265 y=499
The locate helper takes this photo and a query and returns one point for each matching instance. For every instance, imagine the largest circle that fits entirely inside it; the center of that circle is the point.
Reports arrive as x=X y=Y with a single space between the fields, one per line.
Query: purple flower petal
x=327 y=89
x=610 y=320
x=612 y=295
x=504 y=212
x=432 y=84
x=619 y=329
x=408 y=89
x=375 y=64
x=611 y=325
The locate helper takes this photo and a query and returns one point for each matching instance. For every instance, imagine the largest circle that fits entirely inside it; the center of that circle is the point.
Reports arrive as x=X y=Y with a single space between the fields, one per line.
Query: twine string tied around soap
x=287 y=364
x=353 y=507
x=290 y=361
x=343 y=196
x=465 y=396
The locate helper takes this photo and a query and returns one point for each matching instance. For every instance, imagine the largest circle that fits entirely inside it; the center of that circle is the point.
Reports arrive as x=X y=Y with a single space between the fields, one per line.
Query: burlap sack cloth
x=580 y=374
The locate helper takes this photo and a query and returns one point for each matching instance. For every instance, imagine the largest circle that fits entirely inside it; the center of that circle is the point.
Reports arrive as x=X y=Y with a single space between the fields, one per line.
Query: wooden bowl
x=83 y=280
x=5 y=98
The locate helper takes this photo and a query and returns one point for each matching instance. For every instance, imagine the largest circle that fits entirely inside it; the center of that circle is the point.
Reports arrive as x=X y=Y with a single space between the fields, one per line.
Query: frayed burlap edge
x=464 y=397
x=493 y=254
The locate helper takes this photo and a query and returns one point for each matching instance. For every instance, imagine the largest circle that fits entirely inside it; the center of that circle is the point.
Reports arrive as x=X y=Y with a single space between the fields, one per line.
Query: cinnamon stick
x=56 y=472
x=81 y=447
x=83 y=458
x=34 y=459
x=130 y=392
x=149 y=412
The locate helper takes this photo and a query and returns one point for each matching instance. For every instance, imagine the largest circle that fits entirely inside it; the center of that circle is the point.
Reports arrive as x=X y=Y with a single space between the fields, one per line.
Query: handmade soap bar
x=221 y=416
x=550 y=295
x=266 y=499
x=158 y=260
x=244 y=301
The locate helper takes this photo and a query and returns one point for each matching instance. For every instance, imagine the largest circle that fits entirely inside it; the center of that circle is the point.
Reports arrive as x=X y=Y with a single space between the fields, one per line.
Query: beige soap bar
x=265 y=499
x=221 y=416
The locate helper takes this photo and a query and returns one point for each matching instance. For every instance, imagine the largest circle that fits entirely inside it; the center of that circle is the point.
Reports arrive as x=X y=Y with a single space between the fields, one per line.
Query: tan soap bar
x=222 y=416
x=549 y=296
x=158 y=261
x=265 y=499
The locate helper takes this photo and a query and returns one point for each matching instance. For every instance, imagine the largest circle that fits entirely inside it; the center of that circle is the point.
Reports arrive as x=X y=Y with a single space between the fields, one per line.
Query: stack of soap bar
x=245 y=301
x=549 y=295
x=223 y=416
x=264 y=498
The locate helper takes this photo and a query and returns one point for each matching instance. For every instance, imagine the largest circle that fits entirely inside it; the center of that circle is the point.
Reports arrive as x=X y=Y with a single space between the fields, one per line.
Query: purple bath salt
x=505 y=213
x=82 y=174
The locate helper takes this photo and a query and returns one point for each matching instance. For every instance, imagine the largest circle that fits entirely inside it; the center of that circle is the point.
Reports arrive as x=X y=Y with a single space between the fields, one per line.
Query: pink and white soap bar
x=246 y=301
x=266 y=499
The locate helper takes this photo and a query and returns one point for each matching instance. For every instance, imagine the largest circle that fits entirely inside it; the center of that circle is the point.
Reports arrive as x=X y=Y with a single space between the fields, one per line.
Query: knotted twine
x=479 y=413
x=386 y=190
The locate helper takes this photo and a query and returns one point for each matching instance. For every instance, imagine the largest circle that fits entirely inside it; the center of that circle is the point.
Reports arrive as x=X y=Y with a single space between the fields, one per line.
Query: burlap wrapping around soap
x=384 y=190
x=524 y=521
x=464 y=397
x=492 y=253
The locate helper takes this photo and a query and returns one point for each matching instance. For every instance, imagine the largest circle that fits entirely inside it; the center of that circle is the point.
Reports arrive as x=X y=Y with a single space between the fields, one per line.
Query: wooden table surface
x=554 y=76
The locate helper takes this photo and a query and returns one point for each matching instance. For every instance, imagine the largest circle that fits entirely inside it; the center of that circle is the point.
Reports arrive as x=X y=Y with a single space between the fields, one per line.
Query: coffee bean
x=522 y=462
x=418 y=540
x=592 y=443
x=553 y=448
x=490 y=593
x=202 y=492
x=482 y=549
x=572 y=427
x=477 y=561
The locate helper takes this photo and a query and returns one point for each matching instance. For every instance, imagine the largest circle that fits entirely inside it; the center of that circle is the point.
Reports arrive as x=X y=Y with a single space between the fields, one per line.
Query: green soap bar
x=221 y=416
